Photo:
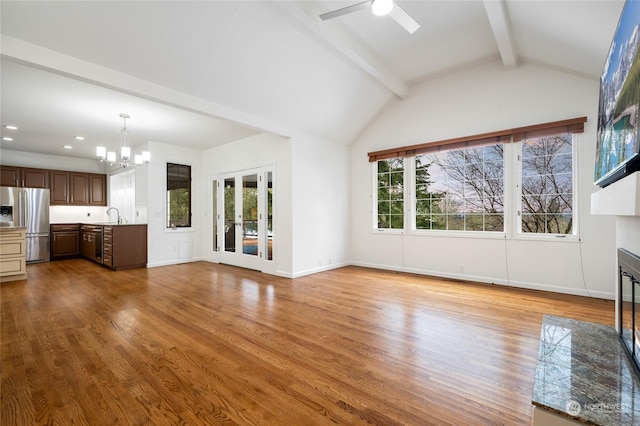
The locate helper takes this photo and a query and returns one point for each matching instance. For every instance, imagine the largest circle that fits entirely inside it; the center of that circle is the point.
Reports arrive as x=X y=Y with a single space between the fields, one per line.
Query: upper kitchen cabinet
x=78 y=189
x=24 y=177
x=97 y=190
x=59 y=187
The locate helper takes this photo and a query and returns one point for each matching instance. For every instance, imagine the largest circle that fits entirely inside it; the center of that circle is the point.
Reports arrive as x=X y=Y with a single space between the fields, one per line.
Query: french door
x=243 y=223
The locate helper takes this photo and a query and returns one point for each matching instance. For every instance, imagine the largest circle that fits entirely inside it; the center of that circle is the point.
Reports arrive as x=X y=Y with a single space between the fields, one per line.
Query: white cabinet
x=13 y=255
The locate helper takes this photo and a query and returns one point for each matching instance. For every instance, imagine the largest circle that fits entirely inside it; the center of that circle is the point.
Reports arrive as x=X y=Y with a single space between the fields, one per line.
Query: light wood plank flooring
x=202 y=343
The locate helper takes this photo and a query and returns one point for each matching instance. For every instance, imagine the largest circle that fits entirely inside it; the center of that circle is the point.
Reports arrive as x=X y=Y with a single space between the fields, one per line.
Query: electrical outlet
x=461 y=268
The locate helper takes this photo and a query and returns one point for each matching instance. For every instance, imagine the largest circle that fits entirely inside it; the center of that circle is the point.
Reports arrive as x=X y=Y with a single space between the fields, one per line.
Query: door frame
x=259 y=261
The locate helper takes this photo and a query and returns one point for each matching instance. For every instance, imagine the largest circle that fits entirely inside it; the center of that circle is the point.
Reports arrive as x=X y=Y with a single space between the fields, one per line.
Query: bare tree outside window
x=547 y=185
x=464 y=189
x=461 y=189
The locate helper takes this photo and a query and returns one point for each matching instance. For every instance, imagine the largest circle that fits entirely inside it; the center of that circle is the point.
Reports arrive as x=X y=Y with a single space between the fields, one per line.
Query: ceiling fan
x=379 y=8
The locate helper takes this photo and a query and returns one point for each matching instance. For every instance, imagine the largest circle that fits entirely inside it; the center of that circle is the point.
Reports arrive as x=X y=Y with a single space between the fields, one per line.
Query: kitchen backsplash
x=77 y=214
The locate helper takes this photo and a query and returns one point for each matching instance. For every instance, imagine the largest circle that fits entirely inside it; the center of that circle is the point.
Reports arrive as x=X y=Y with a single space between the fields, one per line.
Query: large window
x=178 y=196
x=547 y=185
x=460 y=189
x=518 y=181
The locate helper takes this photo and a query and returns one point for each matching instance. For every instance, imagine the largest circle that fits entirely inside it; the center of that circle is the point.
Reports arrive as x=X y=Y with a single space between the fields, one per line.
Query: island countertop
x=97 y=223
x=111 y=224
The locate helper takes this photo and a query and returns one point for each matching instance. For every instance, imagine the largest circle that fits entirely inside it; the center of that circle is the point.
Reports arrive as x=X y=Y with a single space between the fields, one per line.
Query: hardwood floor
x=202 y=343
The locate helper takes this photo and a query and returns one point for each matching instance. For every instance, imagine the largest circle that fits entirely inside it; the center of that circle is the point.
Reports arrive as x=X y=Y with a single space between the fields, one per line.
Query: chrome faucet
x=117 y=211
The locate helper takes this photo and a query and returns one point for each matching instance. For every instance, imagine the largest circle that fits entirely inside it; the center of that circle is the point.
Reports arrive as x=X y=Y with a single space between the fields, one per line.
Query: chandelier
x=123 y=155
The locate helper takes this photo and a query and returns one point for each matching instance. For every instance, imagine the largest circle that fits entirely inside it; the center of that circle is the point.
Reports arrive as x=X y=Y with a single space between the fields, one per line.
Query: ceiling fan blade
x=403 y=18
x=349 y=9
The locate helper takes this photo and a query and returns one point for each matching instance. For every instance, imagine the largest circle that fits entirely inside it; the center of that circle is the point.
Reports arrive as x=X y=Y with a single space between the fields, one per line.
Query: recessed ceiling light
x=7 y=138
x=10 y=127
x=67 y=147
x=79 y=138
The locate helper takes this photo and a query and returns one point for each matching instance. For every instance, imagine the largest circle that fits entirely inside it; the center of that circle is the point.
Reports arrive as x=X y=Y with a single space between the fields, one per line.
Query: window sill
x=460 y=234
x=178 y=230
x=388 y=231
x=481 y=235
x=547 y=237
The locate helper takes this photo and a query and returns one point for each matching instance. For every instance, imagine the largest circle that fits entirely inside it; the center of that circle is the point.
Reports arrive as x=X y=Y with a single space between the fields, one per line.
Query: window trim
x=413 y=219
x=572 y=125
x=178 y=229
x=517 y=234
x=512 y=182
x=374 y=204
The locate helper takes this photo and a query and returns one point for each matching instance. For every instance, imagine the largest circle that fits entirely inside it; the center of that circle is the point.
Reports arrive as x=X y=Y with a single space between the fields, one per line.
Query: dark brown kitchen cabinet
x=9 y=176
x=24 y=177
x=59 y=185
x=66 y=188
x=78 y=189
x=97 y=190
x=91 y=242
x=115 y=246
x=125 y=246
x=65 y=241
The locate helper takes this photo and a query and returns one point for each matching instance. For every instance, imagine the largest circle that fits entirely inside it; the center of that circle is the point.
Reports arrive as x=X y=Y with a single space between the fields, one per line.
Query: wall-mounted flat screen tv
x=618 y=144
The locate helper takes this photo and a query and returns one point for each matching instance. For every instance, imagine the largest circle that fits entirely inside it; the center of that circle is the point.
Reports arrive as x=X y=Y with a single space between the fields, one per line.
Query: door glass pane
x=250 y=215
x=229 y=214
x=269 y=239
x=214 y=215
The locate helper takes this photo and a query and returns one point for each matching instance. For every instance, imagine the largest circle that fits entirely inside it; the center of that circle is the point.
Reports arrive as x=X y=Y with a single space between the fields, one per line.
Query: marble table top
x=584 y=373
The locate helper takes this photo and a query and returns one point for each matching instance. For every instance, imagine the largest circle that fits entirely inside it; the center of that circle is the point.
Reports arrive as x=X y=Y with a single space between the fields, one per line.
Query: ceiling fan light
x=381 y=7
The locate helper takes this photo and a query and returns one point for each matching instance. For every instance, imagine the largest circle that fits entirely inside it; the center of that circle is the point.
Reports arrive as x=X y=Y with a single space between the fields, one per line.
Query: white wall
x=479 y=100
x=311 y=197
x=163 y=242
x=122 y=196
x=78 y=214
x=320 y=227
x=253 y=152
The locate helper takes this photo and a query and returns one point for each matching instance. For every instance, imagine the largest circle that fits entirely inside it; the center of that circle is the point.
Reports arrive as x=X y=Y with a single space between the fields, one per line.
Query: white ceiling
x=201 y=74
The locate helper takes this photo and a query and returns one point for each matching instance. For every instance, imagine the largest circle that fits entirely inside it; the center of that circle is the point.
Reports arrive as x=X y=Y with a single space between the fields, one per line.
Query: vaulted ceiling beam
x=307 y=14
x=501 y=27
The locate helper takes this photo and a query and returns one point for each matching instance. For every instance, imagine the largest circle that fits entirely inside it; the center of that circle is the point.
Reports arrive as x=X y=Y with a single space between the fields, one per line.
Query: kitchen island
x=13 y=254
x=116 y=246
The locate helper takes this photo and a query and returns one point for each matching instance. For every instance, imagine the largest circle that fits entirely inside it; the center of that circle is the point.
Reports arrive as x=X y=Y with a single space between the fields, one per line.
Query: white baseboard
x=174 y=262
x=461 y=277
x=320 y=269
x=490 y=280
x=564 y=290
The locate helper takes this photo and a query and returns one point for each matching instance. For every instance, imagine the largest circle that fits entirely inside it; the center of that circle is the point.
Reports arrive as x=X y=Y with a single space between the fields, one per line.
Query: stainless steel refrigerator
x=28 y=208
